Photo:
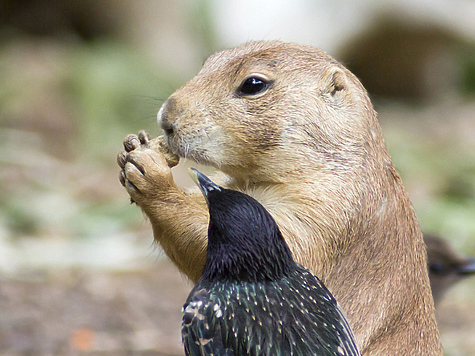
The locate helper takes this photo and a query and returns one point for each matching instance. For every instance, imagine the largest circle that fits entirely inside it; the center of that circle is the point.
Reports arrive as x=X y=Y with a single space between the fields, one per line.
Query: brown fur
x=310 y=149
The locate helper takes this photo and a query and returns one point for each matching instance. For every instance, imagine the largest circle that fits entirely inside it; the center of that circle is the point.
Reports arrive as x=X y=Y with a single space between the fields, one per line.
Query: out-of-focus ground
x=79 y=273
x=77 y=311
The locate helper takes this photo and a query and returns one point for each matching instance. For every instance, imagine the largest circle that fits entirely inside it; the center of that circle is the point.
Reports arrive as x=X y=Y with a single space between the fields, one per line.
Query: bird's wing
x=348 y=339
x=329 y=321
x=201 y=332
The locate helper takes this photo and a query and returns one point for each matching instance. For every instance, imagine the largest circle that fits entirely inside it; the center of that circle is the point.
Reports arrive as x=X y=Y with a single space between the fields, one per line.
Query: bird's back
x=295 y=315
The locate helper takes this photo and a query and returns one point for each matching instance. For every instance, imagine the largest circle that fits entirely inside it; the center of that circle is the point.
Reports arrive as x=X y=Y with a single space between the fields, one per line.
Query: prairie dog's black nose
x=166 y=116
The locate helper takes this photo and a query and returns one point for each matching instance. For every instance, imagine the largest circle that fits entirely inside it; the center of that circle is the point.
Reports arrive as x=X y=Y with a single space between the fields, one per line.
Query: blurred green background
x=79 y=273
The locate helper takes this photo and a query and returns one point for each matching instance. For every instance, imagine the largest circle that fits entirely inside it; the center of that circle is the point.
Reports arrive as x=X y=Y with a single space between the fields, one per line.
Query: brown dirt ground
x=79 y=312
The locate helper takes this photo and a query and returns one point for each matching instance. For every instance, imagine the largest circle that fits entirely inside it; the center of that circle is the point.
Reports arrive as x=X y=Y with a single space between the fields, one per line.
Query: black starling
x=252 y=298
x=446 y=266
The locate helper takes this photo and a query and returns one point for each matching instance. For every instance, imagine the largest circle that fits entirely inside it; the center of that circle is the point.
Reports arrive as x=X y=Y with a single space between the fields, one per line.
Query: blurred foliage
x=438 y=172
x=66 y=105
x=118 y=91
x=467 y=62
x=202 y=25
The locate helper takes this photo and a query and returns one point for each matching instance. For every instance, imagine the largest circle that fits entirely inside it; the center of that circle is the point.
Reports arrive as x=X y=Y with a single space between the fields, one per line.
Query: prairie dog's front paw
x=145 y=168
x=158 y=144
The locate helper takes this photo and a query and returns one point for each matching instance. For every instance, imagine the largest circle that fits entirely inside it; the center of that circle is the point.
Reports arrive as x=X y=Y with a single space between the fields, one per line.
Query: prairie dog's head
x=256 y=109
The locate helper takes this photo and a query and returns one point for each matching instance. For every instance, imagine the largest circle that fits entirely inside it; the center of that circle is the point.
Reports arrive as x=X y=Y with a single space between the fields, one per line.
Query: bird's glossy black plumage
x=252 y=298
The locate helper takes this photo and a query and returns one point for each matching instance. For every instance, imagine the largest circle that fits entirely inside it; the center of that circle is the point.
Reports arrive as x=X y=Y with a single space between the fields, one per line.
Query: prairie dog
x=290 y=126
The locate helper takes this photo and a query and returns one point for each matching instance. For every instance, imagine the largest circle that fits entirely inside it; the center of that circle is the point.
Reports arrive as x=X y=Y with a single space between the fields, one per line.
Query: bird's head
x=244 y=241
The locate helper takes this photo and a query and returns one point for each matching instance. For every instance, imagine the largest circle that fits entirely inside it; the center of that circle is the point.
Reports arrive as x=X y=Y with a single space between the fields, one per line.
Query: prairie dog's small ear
x=336 y=83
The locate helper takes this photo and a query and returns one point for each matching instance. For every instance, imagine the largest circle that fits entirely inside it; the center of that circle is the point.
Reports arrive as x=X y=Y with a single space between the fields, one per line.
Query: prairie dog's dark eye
x=253 y=86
